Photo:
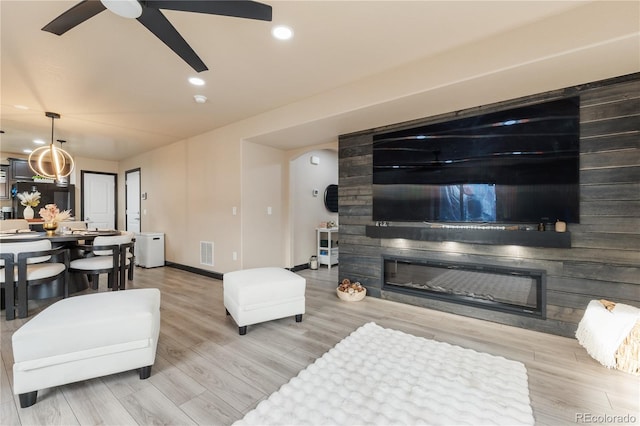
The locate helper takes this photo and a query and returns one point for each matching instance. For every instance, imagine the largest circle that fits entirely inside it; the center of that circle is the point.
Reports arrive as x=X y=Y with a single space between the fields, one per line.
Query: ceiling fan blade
x=238 y=8
x=74 y=16
x=159 y=25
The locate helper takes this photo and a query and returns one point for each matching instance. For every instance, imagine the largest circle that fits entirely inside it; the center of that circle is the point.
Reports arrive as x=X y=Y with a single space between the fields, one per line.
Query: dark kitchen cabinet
x=20 y=170
x=4 y=182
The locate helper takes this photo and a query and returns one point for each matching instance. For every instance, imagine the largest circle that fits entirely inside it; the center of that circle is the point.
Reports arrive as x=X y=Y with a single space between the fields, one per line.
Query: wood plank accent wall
x=604 y=260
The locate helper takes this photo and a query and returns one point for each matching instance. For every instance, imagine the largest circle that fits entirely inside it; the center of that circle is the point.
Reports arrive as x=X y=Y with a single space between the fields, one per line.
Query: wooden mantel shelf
x=548 y=239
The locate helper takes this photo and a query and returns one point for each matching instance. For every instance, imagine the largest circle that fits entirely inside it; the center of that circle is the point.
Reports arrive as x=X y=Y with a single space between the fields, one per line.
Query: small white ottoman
x=83 y=337
x=256 y=295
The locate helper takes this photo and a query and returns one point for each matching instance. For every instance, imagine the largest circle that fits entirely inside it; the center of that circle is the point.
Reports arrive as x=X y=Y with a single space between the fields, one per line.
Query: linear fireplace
x=513 y=290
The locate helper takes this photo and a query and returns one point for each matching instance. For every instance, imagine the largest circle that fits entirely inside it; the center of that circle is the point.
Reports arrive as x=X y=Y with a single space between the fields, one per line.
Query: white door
x=99 y=200
x=132 y=184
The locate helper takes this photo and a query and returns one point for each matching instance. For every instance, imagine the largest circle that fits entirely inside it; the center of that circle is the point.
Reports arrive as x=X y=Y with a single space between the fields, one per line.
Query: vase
x=28 y=212
x=50 y=227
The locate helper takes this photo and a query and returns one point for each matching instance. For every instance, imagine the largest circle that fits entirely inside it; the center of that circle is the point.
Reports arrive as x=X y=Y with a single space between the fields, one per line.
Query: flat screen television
x=519 y=165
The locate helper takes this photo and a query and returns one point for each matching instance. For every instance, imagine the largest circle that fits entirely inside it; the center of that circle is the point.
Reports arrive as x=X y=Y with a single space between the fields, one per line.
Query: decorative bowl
x=351 y=297
x=50 y=227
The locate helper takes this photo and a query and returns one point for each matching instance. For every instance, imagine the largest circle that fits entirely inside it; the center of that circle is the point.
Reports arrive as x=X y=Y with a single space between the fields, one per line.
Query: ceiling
x=120 y=91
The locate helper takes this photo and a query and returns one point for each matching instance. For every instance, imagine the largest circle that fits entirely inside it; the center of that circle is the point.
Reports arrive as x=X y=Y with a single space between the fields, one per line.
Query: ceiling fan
x=147 y=12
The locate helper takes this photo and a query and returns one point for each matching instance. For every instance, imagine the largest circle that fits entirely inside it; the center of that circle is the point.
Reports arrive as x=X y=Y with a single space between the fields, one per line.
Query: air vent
x=206 y=253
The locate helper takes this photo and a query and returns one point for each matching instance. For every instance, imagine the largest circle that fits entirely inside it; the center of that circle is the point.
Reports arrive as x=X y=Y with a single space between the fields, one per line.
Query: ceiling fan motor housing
x=125 y=8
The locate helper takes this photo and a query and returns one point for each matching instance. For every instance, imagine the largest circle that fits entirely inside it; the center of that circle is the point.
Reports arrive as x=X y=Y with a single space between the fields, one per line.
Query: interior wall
x=192 y=187
x=163 y=176
x=309 y=209
x=264 y=173
x=558 y=52
x=213 y=176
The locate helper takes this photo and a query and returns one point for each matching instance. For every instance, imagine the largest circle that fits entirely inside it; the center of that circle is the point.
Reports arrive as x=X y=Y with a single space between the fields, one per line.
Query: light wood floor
x=205 y=373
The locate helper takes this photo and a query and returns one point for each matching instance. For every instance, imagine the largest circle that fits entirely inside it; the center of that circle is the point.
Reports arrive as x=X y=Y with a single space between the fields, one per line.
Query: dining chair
x=73 y=225
x=131 y=254
x=30 y=263
x=107 y=255
x=13 y=225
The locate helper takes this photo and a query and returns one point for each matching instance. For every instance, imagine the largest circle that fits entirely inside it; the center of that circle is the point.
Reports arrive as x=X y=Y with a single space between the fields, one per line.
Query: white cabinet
x=327 y=240
x=149 y=248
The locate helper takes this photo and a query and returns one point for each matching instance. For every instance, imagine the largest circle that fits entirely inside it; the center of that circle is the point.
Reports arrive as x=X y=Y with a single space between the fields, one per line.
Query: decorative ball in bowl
x=351 y=292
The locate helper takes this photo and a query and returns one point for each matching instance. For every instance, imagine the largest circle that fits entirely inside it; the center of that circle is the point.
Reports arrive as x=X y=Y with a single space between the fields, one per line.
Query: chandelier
x=50 y=161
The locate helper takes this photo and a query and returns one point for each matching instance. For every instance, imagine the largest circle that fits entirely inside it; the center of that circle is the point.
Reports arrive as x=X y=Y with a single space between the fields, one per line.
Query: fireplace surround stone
x=596 y=259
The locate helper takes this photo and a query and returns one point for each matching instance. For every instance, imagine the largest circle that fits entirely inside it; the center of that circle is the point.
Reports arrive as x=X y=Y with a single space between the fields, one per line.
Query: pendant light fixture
x=50 y=161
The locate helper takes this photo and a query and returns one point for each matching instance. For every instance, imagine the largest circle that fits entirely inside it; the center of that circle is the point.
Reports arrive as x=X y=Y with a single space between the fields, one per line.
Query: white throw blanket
x=380 y=376
x=601 y=332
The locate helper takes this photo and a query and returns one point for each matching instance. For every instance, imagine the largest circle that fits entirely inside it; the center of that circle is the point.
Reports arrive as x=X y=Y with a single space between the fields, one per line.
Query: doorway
x=309 y=175
x=99 y=199
x=132 y=197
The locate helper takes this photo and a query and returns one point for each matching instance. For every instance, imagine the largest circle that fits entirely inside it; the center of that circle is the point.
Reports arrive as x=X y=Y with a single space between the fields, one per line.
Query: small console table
x=327 y=245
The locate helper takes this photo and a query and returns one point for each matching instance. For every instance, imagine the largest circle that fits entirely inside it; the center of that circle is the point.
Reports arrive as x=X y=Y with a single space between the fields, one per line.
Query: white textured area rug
x=380 y=376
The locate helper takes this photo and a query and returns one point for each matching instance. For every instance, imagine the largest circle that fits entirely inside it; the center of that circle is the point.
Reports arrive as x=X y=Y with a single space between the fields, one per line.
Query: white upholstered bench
x=87 y=336
x=256 y=295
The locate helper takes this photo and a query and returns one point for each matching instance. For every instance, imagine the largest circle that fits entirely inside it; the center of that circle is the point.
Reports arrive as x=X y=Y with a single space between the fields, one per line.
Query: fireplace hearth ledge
x=546 y=239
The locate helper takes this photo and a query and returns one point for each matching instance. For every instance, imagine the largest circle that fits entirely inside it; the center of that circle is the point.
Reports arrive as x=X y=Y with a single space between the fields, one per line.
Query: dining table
x=68 y=239
x=57 y=238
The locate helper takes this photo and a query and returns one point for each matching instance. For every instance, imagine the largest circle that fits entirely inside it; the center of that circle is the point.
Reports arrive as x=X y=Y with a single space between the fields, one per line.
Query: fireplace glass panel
x=472 y=284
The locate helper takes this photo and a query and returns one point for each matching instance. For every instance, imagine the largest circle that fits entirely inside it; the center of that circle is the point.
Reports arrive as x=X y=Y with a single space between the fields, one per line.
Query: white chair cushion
x=25 y=247
x=93 y=263
x=109 y=241
x=37 y=271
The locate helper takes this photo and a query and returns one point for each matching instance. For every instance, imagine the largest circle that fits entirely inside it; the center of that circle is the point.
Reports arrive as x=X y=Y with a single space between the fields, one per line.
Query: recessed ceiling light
x=21 y=107
x=282 y=32
x=200 y=99
x=27 y=151
x=39 y=142
x=196 y=81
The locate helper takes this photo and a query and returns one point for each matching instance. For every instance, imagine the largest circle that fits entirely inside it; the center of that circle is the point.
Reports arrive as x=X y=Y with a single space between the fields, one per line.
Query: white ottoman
x=263 y=294
x=84 y=337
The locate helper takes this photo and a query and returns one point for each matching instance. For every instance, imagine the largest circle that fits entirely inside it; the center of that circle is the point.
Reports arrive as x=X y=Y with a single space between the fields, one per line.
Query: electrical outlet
x=235 y=255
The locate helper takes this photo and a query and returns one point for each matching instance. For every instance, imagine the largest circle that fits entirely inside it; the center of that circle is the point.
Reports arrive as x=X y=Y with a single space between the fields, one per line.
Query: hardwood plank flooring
x=206 y=374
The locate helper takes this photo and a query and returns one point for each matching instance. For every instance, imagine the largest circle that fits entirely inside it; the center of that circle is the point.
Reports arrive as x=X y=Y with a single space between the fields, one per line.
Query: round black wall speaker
x=331 y=198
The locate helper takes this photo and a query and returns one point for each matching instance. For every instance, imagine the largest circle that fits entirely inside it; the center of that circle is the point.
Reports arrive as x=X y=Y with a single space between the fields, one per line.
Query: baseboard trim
x=218 y=275
x=204 y=272
x=299 y=267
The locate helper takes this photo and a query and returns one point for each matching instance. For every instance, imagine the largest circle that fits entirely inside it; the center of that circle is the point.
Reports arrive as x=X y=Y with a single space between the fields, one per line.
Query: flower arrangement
x=31 y=199
x=51 y=213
